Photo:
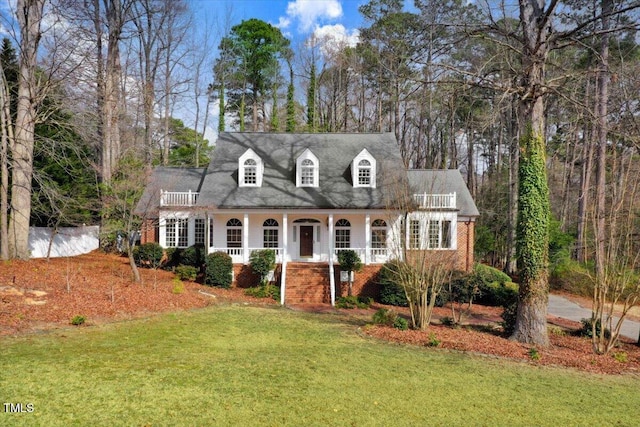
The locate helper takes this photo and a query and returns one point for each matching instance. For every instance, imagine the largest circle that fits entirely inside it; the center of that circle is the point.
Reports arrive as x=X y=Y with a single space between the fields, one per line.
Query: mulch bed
x=37 y=295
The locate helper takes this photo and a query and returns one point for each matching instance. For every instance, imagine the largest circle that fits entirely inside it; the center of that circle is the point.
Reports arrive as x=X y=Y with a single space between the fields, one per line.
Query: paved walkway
x=562 y=307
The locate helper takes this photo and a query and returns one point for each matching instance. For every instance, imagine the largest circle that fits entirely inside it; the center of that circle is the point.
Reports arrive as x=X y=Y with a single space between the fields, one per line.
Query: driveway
x=566 y=309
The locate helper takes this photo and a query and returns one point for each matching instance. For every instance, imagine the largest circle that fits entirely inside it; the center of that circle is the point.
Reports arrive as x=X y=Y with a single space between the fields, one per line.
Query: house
x=308 y=196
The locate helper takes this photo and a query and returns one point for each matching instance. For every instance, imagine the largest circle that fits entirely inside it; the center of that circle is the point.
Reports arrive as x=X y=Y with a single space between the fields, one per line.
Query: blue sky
x=297 y=19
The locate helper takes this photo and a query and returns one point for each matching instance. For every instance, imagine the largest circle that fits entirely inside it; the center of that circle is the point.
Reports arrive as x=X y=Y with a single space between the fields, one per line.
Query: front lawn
x=240 y=365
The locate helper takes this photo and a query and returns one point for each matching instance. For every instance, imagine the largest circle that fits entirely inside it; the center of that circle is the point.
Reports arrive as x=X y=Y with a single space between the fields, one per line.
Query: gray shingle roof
x=218 y=184
x=279 y=151
x=167 y=179
x=442 y=182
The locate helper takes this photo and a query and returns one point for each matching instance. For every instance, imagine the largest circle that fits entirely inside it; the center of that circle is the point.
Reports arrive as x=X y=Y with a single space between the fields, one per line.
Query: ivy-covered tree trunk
x=532 y=228
x=291 y=106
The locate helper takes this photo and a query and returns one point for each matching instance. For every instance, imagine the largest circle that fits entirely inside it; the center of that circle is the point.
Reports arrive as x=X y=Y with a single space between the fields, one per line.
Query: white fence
x=68 y=241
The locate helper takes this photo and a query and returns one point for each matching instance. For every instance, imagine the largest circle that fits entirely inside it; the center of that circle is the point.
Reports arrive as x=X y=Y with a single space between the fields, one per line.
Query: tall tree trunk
x=29 y=15
x=533 y=192
x=6 y=125
x=585 y=187
x=601 y=101
x=110 y=152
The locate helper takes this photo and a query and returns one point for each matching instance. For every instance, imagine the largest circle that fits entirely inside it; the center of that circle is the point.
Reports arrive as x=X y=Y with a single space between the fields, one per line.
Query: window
x=439 y=234
x=234 y=233
x=199 y=231
x=250 y=169
x=364 y=173
x=170 y=232
x=250 y=172
x=446 y=235
x=307 y=173
x=379 y=234
x=363 y=170
x=343 y=234
x=183 y=232
x=270 y=233
x=307 y=170
x=414 y=234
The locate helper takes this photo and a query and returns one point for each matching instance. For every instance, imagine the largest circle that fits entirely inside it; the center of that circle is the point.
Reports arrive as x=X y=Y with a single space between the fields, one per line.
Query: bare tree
x=29 y=15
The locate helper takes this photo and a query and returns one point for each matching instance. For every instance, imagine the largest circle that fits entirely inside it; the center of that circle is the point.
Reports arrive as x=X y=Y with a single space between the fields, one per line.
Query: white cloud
x=309 y=12
x=333 y=38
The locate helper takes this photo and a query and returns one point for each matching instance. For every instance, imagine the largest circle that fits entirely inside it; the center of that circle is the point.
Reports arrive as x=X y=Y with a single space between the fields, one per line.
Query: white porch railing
x=278 y=251
x=178 y=198
x=237 y=254
x=435 y=201
x=374 y=256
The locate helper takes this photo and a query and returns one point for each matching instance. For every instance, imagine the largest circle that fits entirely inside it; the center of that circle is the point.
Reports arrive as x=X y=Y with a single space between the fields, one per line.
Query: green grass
x=245 y=366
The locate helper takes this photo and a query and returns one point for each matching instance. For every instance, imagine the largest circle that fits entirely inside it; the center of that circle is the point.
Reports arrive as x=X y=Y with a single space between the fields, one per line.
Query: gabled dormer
x=363 y=170
x=250 y=169
x=307 y=170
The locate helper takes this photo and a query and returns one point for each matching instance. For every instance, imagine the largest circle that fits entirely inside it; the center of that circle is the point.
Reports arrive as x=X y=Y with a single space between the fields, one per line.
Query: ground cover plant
x=244 y=365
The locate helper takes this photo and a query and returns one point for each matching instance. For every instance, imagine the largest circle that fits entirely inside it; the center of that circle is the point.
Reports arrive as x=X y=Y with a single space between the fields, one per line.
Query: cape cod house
x=308 y=196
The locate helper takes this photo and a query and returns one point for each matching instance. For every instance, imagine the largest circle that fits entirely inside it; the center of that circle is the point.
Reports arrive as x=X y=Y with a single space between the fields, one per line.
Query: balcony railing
x=435 y=201
x=178 y=198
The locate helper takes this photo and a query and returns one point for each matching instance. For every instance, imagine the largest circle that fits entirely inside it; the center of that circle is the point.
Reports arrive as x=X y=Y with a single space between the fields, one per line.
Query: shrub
x=78 y=320
x=262 y=261
x=571 y=276
x=193 y=256
x=462 y=289
x=509 y=315
x=264 y=291
x=384 y=316
x=186 y=272
x=534 y=354
x=178 y=286
x=390 y=292
x=353 y=302
x=218 y=270
x=587 y=331
x=433 y=340
x=148 y=255
x=401 y=323
x=501 y=293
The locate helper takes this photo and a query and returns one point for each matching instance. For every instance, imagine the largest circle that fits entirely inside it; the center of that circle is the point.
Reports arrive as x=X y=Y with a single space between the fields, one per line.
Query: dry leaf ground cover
x=38 y=295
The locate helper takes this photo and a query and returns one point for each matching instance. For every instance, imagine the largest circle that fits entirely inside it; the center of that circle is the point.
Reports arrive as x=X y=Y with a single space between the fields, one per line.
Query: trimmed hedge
x=218 y=270
x=148 y=255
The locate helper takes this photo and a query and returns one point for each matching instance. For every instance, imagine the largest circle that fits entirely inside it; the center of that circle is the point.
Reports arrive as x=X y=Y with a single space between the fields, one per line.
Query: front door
x=306 y=241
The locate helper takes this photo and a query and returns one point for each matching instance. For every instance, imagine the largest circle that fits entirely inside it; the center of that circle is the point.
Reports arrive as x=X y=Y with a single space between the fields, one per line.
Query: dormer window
x=363 y=170
x=307 y=170
x=364 y=173
x=250 y=169
x=250 y=172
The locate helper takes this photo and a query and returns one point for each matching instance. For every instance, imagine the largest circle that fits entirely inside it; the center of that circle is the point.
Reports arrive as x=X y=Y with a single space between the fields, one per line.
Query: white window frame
x=198 y=231
x=343 y=234
x=250 y=164
x=358 y=168
x=379 y=234
x=234 y=229
x=303 y=167
x=269 y=231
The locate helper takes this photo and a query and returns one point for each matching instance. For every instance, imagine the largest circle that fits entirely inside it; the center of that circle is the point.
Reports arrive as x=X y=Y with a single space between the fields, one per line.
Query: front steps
x=307 y=283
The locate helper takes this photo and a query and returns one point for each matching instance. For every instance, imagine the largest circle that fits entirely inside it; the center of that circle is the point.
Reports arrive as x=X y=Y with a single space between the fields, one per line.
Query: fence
x=68 y=241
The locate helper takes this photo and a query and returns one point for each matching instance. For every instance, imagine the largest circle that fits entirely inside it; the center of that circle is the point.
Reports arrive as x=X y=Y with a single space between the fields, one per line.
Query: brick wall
x=149 y=232
x=466 y=238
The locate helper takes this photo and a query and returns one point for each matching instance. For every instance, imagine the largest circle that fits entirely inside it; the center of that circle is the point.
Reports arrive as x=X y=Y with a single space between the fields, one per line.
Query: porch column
x=285 y=250
x=332 y=279
x=245 y=239
x=367 y=239
x=207 y=241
